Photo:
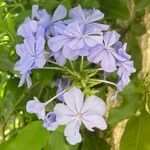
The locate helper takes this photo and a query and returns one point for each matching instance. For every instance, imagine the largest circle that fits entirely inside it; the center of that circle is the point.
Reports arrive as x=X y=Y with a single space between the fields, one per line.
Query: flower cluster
x=52 y=37
x=72 y=113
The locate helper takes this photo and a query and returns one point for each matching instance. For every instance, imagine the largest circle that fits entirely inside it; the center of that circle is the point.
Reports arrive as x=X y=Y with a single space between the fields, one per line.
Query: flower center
x=79 y=115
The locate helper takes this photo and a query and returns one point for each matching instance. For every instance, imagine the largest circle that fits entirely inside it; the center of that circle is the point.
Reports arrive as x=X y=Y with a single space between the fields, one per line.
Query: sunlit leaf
x=137 y=133
x=32 y=137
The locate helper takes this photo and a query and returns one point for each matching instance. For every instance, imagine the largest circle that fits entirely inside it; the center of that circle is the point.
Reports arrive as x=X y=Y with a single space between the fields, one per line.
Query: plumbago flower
x=61 y=85
x=125 y=68
x=76 y=111
x=105 y=54
x=80 y=35
x=50 y=121
x=87 y=17
x=74 y=40
x=35 y=106
x=30 y=28
x=32 y=56
x=48 y=21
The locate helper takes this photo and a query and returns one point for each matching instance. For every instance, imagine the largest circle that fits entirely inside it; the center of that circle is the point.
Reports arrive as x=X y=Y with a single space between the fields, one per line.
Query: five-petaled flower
x=76 y=111
x=105 y=53
x=125 y=68
x=87 y=18
x=32 y=56
x=74 y=40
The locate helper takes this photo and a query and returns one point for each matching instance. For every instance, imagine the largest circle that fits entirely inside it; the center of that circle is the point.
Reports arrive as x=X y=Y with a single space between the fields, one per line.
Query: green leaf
x=6 y=64
x=89 y=4
x=32 y=137
x=21 y=16
x=67 y=4
x=49 y=4
x=134 y=50
x=137 y=133
x=131 y=97
x=148 y=103
x=93 y=142
x=142 y=4
x=11 y=24
x=115 y=9
x=44 y=77
x=57 y=141
x=138 y=29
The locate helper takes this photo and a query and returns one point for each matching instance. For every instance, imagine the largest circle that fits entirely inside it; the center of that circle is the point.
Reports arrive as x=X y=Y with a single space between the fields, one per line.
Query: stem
x=52 y=68
x=50 y=100
x=104 y=81
x=72 y=66
x=53 y=62
x=92 y=74
x=81 y=64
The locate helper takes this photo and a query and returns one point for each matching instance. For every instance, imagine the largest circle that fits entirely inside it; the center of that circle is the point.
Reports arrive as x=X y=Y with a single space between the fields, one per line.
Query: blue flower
x=47 y=21
x=50 y=121
x=105 y=53
x=76 y=111
x=87 y=17
x=30 y=28
x=42 y=16
x=125 y=68
x=35 y=106
x=74 y=40
x=61 y=85
x=32 y=56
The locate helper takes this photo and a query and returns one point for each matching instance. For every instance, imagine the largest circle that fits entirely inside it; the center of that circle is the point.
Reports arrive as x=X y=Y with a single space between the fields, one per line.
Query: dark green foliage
x=115 y=9
x=131 y=100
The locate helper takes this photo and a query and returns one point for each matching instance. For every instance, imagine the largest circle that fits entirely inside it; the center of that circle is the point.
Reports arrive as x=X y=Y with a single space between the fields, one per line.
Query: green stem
x=52 y=68
x=53 y=98
x=103 y=81
x=71 y=64
x=81 y=64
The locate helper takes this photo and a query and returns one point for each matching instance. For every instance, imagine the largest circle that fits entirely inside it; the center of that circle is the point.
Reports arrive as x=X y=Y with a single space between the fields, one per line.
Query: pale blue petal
x=20 y=50
x=57 y=42
x=29 y=44
x=73 y=30
x=76 y=43
x=35 y=106
x=93 y=40
x=59 y=13
x=74 y=99
x=110 y=38
x=93 y=120
x=93 y=105
x=108 y=63
x=33 y=24
x=97 y=54
x=70 y=53
x=77 y=14
x=64 y=114
x=94 y=15
x=50 y=121
x=59 y=57
x=101 y=27
x=40 y=44
x=40 y=61
x=24 y=30
x=72 y=133
x=34 y=10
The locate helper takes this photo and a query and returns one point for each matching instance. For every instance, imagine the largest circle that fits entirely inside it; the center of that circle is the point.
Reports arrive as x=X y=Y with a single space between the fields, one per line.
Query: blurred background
x=128 y=118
